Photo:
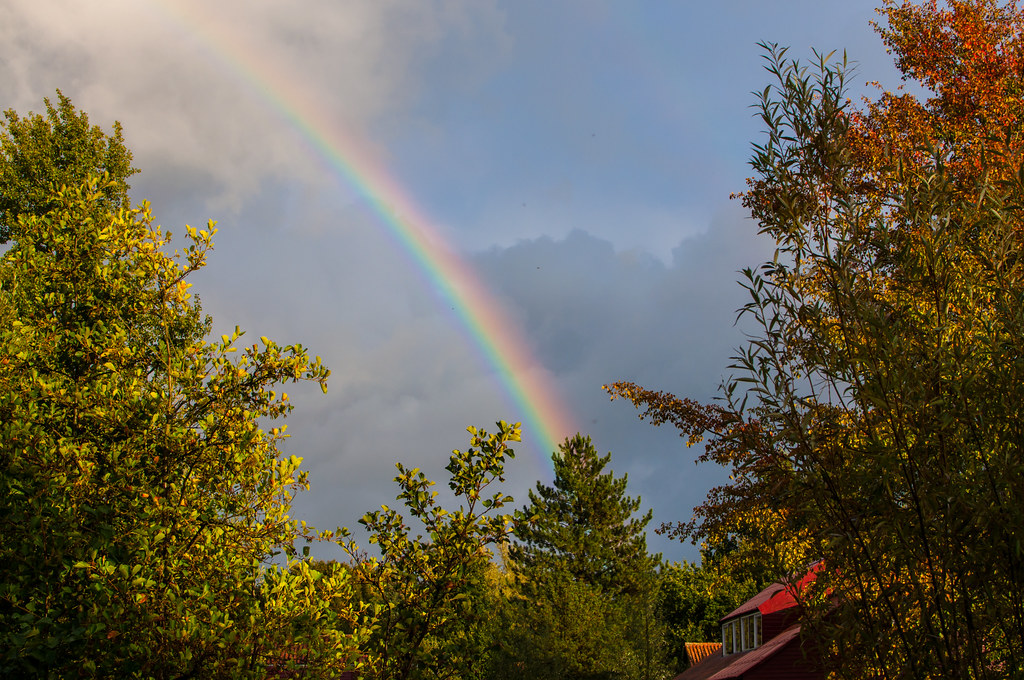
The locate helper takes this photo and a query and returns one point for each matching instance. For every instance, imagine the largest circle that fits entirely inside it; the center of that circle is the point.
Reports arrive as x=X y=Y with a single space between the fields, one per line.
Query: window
x=742 y=634
x=748 y=632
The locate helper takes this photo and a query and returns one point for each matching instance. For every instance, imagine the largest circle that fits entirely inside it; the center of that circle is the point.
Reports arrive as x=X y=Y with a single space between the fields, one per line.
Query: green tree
x=140 y=497
x=426 y=588
x=38 y=155
x=562 y=629
x=584 y=601
x=584 y=525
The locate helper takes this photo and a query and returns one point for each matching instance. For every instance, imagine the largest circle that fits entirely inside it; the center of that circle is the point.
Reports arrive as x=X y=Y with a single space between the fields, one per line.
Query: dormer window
x=741 y=634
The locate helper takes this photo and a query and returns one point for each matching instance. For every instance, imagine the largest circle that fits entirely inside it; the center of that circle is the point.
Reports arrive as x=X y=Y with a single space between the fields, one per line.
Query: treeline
x=562 y=588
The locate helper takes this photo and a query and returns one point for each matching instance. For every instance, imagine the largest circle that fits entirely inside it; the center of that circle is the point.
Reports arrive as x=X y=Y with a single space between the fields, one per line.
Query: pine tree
x=584 y=526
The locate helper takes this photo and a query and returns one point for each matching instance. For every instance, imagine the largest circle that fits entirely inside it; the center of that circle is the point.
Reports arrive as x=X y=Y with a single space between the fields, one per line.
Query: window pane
x=757 y=630
x=727 y=638
x=748 y=633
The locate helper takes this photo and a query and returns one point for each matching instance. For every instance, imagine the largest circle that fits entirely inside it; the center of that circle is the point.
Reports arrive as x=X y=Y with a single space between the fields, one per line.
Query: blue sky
x=580 y=154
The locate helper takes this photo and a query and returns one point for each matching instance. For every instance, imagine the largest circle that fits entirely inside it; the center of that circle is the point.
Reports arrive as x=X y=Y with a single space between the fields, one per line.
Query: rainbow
x=546 y=420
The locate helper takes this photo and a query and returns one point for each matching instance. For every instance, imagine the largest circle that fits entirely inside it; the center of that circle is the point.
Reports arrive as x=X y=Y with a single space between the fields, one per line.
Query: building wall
x=776 y=622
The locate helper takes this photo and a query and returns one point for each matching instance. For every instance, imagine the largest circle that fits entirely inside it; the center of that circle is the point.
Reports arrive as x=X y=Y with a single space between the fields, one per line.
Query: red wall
x=788 y=664
x=776 y=622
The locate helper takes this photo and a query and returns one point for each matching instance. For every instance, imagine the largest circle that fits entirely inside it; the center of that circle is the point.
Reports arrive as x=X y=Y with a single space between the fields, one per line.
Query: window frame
x=742 y=634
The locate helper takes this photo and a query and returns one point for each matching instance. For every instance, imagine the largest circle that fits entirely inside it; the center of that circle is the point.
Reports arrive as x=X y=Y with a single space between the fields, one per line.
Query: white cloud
x=178 y=74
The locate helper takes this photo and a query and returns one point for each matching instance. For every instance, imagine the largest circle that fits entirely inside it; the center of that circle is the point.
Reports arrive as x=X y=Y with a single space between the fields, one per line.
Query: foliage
x=741 y=524
x=883 y=426
x=564 y=630
x=140 y=500
x=582 y=601
x=692 y=598
x=426 y=589
x=39 y=155
x=967 y=56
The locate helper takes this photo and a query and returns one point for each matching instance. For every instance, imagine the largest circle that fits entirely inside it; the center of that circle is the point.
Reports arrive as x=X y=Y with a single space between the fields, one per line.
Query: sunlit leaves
x=40 y=154
x=432 y=562
x=141 y=498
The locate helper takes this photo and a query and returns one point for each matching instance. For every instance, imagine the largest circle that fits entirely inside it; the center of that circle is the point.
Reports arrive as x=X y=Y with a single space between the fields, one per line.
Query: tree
x=562 y=629
x=39 y=155
x=140 y=498
x=584 y=526
x=426 y=589
x=741 y=524
x=584 y=602
x=878 y=405
x=692 y=598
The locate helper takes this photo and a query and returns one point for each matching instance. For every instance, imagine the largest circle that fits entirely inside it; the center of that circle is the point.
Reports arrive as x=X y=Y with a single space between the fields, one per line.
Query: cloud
x=591 y=308
x=596 y=315
x=407 y=380
x=189 y=109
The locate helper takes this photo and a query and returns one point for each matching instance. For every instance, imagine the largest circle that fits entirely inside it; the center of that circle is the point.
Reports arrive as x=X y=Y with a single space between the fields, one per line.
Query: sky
x=472 y=210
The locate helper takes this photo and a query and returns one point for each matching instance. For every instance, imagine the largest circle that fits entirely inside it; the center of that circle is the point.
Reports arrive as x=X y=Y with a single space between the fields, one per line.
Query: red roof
x=754 y=603
x=706 y=668
x=698 y=651
x=776 y=597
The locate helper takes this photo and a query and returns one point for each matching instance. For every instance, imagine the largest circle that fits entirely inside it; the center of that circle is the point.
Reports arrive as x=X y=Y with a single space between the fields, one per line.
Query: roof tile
x=698 y=651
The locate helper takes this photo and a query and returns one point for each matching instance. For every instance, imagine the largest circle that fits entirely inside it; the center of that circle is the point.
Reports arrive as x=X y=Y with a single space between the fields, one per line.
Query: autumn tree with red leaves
x=876 y=419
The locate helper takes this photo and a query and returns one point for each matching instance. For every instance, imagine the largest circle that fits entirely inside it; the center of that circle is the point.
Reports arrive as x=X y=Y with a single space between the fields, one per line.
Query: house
x=761 y=640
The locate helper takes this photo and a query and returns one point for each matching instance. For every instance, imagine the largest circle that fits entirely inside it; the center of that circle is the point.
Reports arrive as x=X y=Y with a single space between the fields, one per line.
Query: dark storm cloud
x=406 y=379
x=597 y=315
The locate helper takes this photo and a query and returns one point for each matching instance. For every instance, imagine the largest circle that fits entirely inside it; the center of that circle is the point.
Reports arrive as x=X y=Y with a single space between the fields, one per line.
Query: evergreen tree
x=583 y=603
x=584 y=526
